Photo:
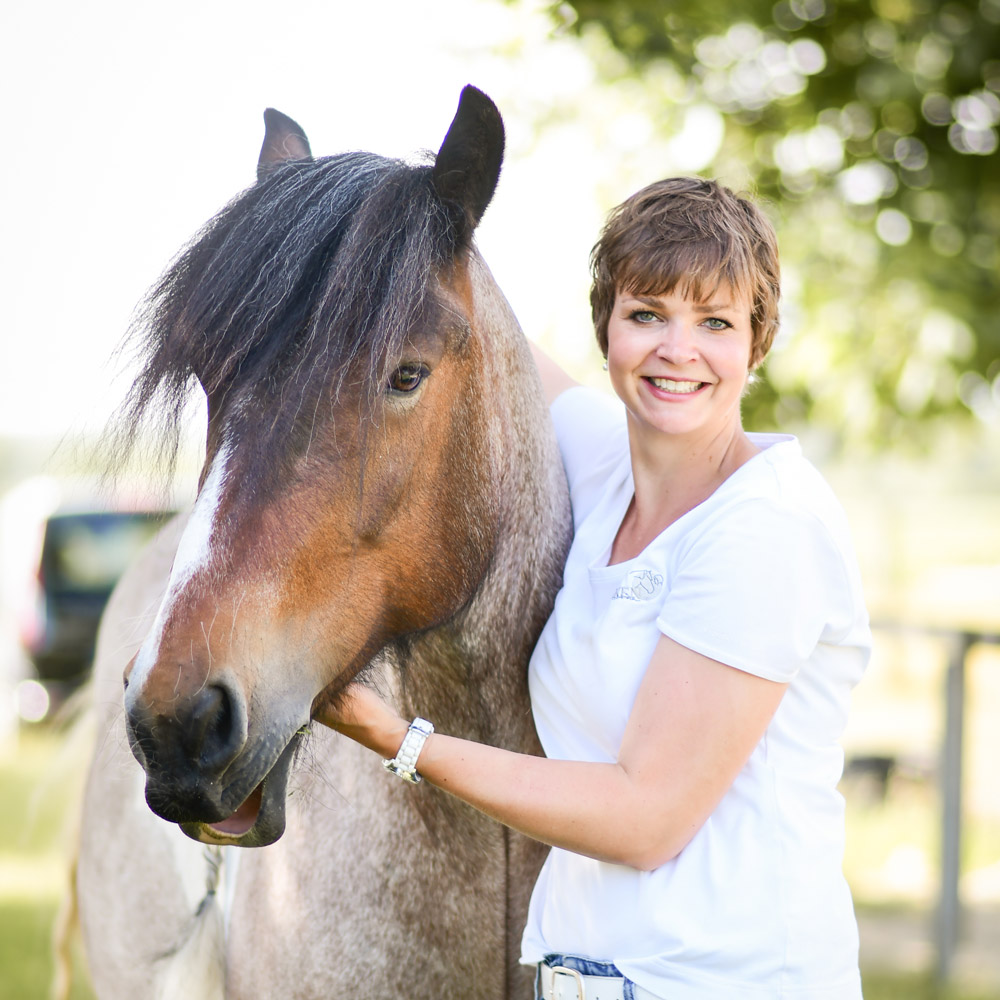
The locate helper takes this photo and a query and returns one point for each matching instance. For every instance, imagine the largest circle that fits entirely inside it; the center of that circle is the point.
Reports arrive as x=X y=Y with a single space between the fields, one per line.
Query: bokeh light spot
x=893 y=227
x=865 y=183
x=807 y=56
x=32 y=701
x=936 y=109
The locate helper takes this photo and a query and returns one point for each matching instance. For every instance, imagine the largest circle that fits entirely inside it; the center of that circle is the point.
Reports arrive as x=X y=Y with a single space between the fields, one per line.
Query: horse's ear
x=284 y=140
x=467 y=167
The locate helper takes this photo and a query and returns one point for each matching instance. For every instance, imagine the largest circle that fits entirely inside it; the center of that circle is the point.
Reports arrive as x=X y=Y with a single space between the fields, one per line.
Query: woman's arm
x=694 y=724
x=554 y=379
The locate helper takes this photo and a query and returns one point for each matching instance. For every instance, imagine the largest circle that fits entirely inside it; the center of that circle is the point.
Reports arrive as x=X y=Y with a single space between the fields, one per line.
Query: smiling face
x=680 y=364
x=691 y=234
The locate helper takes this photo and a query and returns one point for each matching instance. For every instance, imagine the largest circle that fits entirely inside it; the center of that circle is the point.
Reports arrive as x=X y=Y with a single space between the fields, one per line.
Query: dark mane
x=323 y=264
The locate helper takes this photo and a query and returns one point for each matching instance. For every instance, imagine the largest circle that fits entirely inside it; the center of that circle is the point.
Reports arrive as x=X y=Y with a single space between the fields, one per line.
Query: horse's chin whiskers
x=307 y=763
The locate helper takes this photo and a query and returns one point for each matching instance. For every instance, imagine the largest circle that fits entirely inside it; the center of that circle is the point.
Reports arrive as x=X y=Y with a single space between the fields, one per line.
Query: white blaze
x=192 y=555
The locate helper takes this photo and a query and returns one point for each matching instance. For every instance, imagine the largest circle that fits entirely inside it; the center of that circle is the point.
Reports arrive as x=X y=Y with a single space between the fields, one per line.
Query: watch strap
x=404 y=763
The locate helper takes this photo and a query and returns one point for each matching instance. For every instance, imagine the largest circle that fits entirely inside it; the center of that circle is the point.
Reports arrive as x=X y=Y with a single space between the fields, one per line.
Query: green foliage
x=871 y=127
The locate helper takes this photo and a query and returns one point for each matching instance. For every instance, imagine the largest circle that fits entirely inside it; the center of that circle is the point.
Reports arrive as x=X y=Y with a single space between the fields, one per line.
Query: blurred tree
x=871 y=128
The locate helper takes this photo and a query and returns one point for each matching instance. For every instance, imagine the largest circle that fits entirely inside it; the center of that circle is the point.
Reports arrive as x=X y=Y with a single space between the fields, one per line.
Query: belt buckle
x=578 y=979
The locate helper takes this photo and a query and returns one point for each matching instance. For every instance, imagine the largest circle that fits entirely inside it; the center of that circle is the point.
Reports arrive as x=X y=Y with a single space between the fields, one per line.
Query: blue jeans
x=586 y=967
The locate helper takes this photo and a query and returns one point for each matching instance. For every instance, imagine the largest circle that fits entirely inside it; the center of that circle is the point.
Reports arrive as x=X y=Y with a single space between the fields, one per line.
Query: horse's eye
x=406 y=378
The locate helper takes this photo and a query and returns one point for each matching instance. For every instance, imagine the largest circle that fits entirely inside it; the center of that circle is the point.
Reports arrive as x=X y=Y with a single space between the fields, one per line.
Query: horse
x=381 y=499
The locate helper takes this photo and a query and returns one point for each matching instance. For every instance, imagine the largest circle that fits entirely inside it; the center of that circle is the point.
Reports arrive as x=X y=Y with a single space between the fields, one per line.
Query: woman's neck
x=673 y=475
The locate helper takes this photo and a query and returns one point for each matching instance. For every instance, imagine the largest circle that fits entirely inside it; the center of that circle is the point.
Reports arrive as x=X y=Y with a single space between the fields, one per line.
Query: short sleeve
x=593 y=440
x=758 y=589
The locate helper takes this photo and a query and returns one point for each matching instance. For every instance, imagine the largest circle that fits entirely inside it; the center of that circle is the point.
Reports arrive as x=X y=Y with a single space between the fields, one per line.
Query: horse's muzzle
x=186 y=750
x=203 y=766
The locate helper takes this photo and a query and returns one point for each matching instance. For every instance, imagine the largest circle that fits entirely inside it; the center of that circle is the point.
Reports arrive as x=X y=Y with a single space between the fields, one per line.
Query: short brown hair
x=691 y=234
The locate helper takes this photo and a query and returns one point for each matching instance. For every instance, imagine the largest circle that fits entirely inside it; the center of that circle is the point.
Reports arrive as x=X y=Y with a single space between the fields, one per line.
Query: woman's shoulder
x=776 y=502
x=584 y=403
x=769 y=562
x=782 y=475
x=593 y=441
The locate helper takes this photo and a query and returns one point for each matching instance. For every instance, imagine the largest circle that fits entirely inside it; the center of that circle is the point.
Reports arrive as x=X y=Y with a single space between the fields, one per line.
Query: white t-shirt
x=761 y=576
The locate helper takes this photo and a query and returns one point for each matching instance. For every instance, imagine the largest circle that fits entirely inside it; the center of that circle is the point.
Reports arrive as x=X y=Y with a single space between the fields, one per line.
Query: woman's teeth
x=669 y=385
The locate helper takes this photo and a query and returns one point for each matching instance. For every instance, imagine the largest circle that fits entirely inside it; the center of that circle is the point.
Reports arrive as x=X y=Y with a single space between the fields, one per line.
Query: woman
x=693 y=680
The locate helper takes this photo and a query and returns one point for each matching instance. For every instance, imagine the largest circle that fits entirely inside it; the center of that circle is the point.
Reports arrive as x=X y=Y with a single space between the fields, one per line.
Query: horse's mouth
x=243 y=820
x=260 y=819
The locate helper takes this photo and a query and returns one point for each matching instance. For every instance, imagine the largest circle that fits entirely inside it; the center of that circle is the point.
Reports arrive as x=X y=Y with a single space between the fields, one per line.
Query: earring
x=605 y=365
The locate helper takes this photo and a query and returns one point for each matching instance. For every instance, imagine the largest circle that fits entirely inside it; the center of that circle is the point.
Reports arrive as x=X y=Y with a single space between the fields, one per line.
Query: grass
x=36 y=796
x=894 y=986
x=33 y=867
x=25 y=953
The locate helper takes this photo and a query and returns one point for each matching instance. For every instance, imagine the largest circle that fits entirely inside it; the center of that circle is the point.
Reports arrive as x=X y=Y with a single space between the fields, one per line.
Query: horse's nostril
x=214 y=732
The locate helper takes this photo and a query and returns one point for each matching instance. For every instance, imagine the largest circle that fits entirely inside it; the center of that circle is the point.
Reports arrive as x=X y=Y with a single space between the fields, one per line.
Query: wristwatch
x=405 y=762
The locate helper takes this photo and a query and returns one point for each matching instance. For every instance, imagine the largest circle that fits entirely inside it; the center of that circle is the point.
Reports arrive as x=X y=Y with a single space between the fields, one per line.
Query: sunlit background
x=869 y=130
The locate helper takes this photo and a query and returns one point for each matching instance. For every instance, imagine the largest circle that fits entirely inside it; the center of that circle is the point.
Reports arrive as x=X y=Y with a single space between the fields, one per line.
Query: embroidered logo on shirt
x=639 y=585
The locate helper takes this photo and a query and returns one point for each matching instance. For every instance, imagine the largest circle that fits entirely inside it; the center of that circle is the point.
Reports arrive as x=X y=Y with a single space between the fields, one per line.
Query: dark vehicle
x=82 y=557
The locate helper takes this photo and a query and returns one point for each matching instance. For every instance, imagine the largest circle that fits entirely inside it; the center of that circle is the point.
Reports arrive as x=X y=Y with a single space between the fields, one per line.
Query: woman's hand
x=362 y=715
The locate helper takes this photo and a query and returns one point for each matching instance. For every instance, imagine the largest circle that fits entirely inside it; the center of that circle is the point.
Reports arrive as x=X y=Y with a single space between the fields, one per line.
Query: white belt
x=560 y=983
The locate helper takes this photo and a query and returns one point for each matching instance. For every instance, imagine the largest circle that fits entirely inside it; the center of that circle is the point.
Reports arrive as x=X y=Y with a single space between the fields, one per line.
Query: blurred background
x=869 y=130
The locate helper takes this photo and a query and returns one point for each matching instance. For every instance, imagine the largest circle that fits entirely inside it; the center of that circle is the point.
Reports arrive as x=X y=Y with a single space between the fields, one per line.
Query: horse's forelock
x=315 y=274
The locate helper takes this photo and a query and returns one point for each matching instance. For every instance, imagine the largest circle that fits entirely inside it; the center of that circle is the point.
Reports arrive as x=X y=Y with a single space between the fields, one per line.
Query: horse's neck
x=473 y=670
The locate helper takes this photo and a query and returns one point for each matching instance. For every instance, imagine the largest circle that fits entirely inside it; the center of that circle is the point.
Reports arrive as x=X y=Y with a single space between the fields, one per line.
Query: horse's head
x=340 y=323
